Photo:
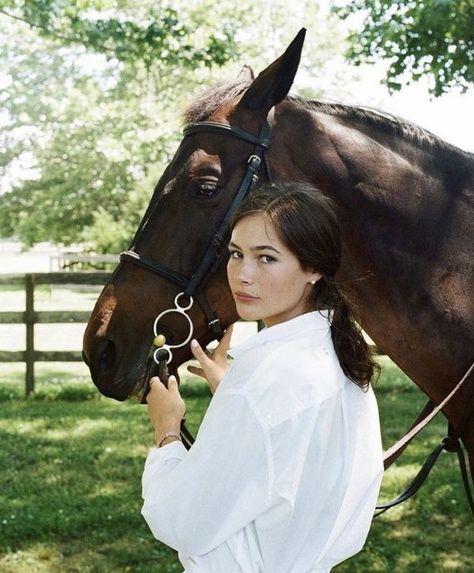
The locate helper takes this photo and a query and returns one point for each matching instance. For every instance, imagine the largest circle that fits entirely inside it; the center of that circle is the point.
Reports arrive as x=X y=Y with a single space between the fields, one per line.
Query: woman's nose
x=244 y=275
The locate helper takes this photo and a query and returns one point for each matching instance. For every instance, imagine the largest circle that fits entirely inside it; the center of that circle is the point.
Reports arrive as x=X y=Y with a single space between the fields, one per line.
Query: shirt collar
x=317 y=320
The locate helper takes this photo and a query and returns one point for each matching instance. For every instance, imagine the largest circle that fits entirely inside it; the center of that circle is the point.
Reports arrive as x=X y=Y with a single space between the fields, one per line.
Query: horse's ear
x=246 y=74
x=273 y=84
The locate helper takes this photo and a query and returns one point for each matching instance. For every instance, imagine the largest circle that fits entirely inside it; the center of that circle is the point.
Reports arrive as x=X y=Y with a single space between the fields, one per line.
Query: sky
x=451 y=116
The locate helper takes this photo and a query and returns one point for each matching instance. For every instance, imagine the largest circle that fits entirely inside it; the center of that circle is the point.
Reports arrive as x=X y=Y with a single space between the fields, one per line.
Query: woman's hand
x=213 y=364
x=166 y=408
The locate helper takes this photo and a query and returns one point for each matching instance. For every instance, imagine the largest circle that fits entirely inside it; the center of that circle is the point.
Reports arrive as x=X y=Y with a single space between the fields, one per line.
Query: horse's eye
x=204 y=189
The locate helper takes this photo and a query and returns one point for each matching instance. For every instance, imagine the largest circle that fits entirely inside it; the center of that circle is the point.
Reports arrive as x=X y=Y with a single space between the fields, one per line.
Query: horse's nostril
x=105 y=357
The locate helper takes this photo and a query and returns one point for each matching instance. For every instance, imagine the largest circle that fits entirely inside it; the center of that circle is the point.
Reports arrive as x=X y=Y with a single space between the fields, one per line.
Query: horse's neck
x=377 y=176
x=403 y=223
x=403 y=200
x=371 y=152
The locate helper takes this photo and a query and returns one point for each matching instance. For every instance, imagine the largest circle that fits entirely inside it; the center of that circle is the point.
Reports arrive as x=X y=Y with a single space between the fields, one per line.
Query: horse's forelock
x=213 y=99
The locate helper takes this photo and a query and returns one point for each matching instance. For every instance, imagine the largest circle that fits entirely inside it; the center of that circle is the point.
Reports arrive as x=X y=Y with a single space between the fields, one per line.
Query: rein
x=450 y=443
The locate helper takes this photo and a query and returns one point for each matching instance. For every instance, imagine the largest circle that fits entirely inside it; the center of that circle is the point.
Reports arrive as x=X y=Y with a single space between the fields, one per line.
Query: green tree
x=148 y=32
x=95 y=117
x=433 y=38
x=92 y=120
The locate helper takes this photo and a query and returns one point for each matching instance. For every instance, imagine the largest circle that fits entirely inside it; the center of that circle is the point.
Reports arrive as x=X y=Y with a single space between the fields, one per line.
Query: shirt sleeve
x=195 y=500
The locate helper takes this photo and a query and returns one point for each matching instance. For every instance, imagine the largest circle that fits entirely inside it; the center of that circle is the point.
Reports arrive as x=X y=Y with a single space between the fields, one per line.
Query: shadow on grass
x=70 y=487
x=61 y=383
x=70 y=482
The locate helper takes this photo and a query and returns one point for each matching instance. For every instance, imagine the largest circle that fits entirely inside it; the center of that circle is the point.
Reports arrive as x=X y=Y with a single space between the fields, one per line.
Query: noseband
x=193 y=286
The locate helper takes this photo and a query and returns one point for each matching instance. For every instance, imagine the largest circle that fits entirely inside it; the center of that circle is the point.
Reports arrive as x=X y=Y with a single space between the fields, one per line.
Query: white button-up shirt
x=285 y=471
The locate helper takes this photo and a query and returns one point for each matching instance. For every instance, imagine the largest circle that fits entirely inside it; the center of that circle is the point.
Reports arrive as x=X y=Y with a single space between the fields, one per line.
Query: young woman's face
x=266 y=279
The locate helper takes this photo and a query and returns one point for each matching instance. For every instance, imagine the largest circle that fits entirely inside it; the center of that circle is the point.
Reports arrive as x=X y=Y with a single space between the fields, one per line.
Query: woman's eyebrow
x=256 y=248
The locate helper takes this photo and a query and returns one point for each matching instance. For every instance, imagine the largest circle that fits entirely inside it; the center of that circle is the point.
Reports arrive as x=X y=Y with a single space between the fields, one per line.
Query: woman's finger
x=196 y=370
x=173 y=383
x=155 y=384
x=199 y=353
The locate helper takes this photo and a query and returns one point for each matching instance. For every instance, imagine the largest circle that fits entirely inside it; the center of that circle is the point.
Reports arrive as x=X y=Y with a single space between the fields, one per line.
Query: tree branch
x=49 y=31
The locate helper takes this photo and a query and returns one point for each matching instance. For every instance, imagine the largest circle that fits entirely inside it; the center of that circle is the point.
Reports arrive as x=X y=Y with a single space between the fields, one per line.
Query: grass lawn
x=71 y=465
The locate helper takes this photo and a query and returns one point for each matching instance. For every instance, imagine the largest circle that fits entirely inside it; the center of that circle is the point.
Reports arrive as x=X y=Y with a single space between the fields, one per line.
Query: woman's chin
x=247 y=313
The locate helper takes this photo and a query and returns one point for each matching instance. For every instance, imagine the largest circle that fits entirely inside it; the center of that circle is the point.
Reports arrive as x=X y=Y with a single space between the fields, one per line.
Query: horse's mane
x=216 y=96
x=386 y=121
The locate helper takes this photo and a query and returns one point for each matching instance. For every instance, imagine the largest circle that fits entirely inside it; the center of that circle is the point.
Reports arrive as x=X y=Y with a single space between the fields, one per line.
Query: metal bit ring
x=179 y=310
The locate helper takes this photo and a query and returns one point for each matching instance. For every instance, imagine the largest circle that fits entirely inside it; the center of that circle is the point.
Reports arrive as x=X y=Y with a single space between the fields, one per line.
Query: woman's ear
x=315 y=278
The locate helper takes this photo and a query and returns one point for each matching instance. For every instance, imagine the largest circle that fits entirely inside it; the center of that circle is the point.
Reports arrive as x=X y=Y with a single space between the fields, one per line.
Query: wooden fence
x=80 y=262
x=30 y=317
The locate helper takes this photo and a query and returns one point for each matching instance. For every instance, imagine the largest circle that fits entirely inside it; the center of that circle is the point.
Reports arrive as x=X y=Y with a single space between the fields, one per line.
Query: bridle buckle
x=254 y=162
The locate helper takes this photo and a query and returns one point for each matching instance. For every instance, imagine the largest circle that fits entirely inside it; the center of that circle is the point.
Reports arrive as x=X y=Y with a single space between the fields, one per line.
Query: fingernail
x=194 y=343
x=173 y=378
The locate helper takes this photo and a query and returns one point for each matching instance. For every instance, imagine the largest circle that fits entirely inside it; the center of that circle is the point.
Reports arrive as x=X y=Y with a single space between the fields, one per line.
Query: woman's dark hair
x=306 y=222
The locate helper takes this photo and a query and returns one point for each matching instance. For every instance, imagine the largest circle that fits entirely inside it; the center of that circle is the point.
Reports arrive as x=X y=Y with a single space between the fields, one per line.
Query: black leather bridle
x=193 y=286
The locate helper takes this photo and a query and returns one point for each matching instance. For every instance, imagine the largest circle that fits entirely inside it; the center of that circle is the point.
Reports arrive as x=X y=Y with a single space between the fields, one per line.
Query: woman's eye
x=267 y=259
x=204 y=189
x=234 y=254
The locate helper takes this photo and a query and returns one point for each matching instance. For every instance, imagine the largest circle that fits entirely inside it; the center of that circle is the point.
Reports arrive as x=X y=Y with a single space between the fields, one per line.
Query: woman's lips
x=244 y=297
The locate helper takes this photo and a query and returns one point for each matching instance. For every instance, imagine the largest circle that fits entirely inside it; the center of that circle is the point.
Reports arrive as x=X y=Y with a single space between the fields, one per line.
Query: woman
x=285 y=471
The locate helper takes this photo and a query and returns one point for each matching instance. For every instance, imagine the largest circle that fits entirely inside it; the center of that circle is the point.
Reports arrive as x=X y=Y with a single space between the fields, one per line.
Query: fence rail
x=79 y=262
x=30 y=317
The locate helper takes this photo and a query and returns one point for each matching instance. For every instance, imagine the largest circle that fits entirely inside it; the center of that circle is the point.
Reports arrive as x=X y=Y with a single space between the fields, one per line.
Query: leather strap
x=194 y=285
x=450 y=443
x=416 y=483
x=154 y=267
x=391 y=454
x=224 y=129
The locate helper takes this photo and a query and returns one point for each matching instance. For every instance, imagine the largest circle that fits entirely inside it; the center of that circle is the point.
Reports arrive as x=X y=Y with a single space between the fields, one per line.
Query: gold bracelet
x=167 y=435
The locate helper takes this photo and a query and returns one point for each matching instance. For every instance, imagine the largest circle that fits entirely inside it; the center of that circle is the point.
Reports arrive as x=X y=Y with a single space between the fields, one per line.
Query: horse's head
x=179 y=246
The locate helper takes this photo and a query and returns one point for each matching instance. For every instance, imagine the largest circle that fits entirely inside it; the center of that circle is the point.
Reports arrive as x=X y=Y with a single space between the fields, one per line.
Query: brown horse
x=405 y=203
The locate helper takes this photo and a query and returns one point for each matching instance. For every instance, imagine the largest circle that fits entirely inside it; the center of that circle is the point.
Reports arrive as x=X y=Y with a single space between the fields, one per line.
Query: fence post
x=30 y=333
